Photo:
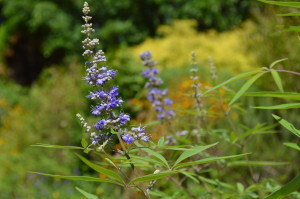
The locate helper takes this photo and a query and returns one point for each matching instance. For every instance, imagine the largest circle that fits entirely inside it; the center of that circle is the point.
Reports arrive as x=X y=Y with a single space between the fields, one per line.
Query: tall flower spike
x=156 y=96
x=106 y=98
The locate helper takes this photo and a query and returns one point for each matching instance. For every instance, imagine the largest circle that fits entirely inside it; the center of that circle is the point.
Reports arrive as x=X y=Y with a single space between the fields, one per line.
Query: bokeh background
x=41 y=69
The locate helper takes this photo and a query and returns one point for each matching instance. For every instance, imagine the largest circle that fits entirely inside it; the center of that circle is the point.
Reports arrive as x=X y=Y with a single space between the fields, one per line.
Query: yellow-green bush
x=174 y=47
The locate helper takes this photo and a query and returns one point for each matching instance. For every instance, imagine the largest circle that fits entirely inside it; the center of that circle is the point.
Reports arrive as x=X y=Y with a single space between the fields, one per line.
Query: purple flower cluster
x=107 y=100
x=156 y=96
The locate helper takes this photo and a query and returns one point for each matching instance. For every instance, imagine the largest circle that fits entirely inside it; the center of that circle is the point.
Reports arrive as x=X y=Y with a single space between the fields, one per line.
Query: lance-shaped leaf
x=290 y=187
x=285 y=95
x=86 y=194
x=156 y=155
x=237 y=77
x=245 y=87
x=277 y=79
x=287 y=125
x=277 y=61
x=102 y=170
x=207 y=160
x=292 y=14
x=153 y=176
x=56 y=146
x=193 y=151
x=80 y=178
x=256 y=163
x=281 y=3
x=280 y=106
x=292 y=145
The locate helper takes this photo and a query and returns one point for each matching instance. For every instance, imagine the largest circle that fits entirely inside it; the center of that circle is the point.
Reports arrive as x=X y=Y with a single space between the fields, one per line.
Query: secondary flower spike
x=156 y=96
x=107 y=100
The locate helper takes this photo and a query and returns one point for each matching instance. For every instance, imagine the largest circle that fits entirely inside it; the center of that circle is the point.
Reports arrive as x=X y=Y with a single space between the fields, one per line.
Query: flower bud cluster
x=107 y=100
x=156 y=96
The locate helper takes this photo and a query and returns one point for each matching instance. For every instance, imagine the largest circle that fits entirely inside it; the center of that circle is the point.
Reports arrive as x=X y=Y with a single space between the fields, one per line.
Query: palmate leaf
x=102 y=170
x=80 y=178
x=153 y=176
x=287 y=125
x=207 y=160
x=290 y=187
x=86 y=194
x=190 y=152
x=245 y=87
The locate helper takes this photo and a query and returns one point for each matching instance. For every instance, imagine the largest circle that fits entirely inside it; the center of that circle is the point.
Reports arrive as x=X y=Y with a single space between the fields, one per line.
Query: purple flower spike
x=156 y=96
x=127 y=138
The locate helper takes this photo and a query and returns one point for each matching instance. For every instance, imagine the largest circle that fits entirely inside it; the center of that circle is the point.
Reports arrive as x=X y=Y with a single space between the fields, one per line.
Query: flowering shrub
x=184 y=158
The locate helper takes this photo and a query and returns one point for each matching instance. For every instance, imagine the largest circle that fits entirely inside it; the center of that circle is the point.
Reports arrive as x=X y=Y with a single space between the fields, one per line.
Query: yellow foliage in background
x=177 y=41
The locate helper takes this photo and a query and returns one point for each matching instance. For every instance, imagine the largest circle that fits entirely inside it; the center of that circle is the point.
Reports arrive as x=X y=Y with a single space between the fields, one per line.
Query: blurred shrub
x=174 y=47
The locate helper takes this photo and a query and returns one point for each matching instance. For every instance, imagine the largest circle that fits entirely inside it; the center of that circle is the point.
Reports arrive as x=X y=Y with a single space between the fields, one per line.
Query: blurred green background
x=41 y=68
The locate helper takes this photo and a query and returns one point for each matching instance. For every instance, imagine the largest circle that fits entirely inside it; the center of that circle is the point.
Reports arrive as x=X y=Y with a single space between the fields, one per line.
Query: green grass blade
x=102 y=170
x=80 y=178
x=207 y=160
x=193 y=151
x=245 y=87
x=153 y=176
x=280 y=106
x=281 y=3
x=237 y=77
x=56 y=146
x=285 y=95
x=290 y=187
x=86 y=194
x=277 y=79
x=287 y=125
x=158 y=156
x=292 y=145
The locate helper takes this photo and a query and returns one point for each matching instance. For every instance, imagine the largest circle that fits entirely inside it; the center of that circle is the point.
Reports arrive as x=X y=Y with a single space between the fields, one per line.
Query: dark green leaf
x=102 y=170
x=287 y=125
x=290 y=187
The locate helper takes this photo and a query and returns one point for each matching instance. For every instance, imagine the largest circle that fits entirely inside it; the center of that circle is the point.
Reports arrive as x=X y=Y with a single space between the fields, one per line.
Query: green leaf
x=80 y=178
x=292 y=14
x=153 y=176
x=113 y=132
x=57 y=146
x=245 y=87
x=86 y=194
x=193 y=151
x=158 y=156
x=287 y=125
x=290 y=187
x=102 y=170
x=216 y=183
x=258 y=129
x=84 y=143
x=289 y=28
x=277 y=79
x=280 y=106
x=189 y=175
x=161 y=142
x=286 y=95
x=256 y=163
x=277 y=61
x=207 y=160
x=292 y=145
x=281 y=3
x=237 y=77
